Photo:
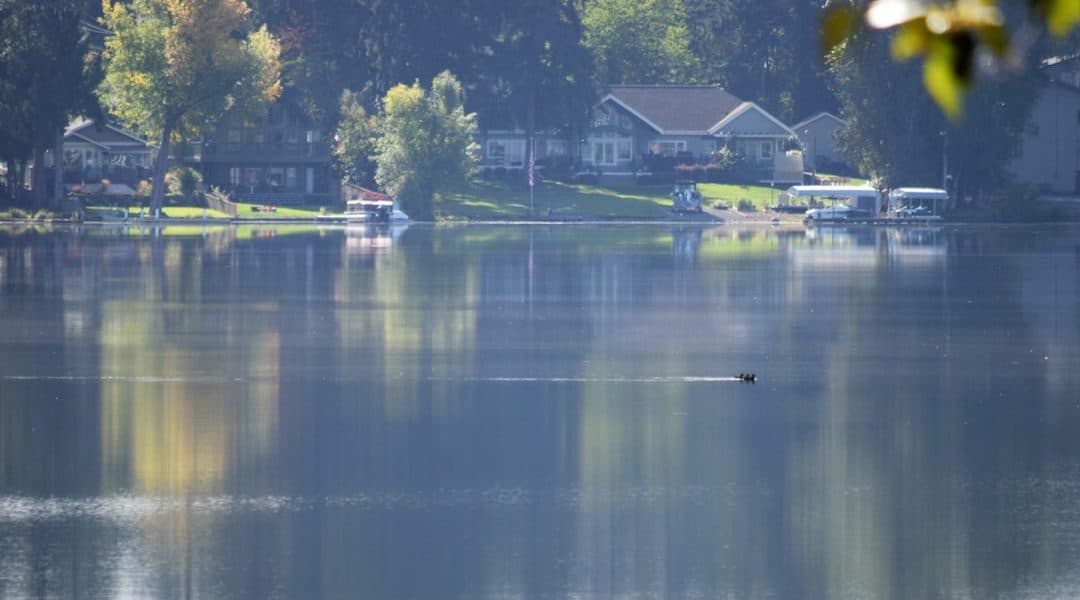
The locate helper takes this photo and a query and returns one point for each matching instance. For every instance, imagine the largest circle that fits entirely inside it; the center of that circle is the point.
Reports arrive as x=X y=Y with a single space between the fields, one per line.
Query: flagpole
x=532 y=170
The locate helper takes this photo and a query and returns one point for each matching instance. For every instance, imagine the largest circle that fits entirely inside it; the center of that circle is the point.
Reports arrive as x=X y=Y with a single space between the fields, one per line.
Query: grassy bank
x=486 y=200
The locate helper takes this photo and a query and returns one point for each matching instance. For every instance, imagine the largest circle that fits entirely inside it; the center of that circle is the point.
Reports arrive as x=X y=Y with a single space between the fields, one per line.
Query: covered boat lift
x=915 y=203
x=861 y=197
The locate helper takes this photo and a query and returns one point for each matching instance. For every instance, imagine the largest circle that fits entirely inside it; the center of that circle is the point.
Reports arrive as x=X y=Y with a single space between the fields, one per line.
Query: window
x=624 y=121
x=234 y=176
x=608 y=150
x=556 y=148
x=667 y=148
x=766 y=150
x=601 y=118
x=510 y=153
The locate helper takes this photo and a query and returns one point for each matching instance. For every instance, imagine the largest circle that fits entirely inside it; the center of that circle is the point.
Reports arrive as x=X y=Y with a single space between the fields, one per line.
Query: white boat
x=921 y=204
x=374 y=207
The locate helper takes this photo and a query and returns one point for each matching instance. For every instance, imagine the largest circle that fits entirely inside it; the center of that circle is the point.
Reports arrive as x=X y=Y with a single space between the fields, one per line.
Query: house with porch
x=633 y=124
x=94 y=151
x=280 y=157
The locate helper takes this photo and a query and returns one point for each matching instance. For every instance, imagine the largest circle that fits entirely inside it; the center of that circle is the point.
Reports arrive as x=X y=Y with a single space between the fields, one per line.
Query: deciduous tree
x=179 y=65
x=426 y=143
x=640 y=41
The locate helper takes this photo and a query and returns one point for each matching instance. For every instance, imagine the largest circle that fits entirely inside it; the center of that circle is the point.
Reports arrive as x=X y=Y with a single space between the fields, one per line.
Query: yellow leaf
x=911 y=40
x=837 y=23
x=883 y=14
x=1062 y=15
x=942 y=81
x=996 y=39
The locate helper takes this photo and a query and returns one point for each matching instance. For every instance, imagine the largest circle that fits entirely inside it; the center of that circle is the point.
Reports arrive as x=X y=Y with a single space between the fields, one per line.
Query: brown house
x=281 y=158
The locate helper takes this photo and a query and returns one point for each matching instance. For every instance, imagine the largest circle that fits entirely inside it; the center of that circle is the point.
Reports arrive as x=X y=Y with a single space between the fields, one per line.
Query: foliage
x=896 y=133
x=640 y=41
x=175 y=66
x=426 y=143
x=950 y=36
x=183 y=180
x=763 y=51
x=354 y=141
x=45 y=76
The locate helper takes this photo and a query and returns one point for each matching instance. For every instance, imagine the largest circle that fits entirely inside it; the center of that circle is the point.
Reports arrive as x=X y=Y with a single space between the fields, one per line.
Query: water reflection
x=539 y=411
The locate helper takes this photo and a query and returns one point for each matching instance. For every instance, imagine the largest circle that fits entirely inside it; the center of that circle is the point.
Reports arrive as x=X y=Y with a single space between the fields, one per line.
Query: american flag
x=532 y=168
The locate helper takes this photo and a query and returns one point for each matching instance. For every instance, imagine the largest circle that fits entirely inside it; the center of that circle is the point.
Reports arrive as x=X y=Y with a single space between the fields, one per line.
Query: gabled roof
x=674 y=108
x=819 y=116
x=742 y=109
x=81 y=127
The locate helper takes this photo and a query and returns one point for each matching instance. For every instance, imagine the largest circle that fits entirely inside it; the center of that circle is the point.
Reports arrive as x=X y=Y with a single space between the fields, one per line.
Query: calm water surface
x=540 y=412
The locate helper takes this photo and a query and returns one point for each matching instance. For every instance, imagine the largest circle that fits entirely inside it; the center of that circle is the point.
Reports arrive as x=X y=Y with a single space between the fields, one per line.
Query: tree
x=354 y=140
x=764 y=51
x=640 y=41
x=952 y=37
x=426 y=143
x=44 y=79
x=896 y=133
x=176 y=66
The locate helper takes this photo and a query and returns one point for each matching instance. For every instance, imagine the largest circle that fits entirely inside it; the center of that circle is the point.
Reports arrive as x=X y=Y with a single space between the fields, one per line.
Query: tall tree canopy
x=426 y=143
x=44 y=78
x=640 y=41
x=895 y=131
x=763 y=50
x=179 y=65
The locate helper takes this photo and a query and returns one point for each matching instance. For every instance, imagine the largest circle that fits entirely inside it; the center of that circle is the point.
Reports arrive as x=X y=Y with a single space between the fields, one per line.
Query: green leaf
x=942 y=81
x=837 y=24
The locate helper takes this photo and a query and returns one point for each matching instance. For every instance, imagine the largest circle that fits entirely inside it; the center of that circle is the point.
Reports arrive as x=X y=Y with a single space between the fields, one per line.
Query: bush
x=746 y=206
x=144 y=189
x=183 y=181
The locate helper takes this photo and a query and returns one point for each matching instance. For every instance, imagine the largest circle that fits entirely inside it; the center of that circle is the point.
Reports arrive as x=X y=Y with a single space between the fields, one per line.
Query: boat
x=918 y=204
x=373 y=207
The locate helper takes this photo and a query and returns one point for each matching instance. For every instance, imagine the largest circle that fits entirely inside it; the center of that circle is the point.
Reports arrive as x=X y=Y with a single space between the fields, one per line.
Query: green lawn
x=499 y=201
x=248 y=211
x=730 y=194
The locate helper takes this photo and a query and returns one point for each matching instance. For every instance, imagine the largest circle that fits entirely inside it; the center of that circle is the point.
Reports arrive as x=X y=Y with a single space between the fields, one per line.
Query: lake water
x=540 y=412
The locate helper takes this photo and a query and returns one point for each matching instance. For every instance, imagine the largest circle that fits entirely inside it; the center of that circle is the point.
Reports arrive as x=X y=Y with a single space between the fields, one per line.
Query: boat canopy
x=934 y=194
x=833 y=191
x=863 y=197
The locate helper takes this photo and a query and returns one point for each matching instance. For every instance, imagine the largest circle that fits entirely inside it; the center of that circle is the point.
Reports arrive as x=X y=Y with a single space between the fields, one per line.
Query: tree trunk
x=160 y=164
x=37 y=182
x=58 y=169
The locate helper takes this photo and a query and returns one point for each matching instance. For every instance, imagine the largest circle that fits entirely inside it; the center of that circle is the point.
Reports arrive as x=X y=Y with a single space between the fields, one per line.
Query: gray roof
x=677 y=107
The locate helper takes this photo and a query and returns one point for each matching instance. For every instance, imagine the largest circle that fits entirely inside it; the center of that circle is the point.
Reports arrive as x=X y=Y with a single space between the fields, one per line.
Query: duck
x=747 y=377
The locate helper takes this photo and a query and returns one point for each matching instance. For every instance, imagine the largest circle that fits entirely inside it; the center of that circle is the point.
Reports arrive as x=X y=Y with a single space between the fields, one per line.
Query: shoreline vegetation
x=487 y=201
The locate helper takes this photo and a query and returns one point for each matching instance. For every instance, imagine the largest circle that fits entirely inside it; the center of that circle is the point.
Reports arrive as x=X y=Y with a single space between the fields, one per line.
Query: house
x=94 y=151
x=1049 y=156
x=280 y=158
x=635 y=123
x=817 y=136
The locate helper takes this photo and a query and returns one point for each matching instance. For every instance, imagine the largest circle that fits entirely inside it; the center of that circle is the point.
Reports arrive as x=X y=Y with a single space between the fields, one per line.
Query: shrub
x=746 y=205
x=183 y=181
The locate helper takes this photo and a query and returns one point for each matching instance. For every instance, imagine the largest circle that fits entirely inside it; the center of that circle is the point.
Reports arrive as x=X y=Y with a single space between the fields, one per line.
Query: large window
x=610 y=150
x=510 y=153
x=556 y=148
x=667 y=147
